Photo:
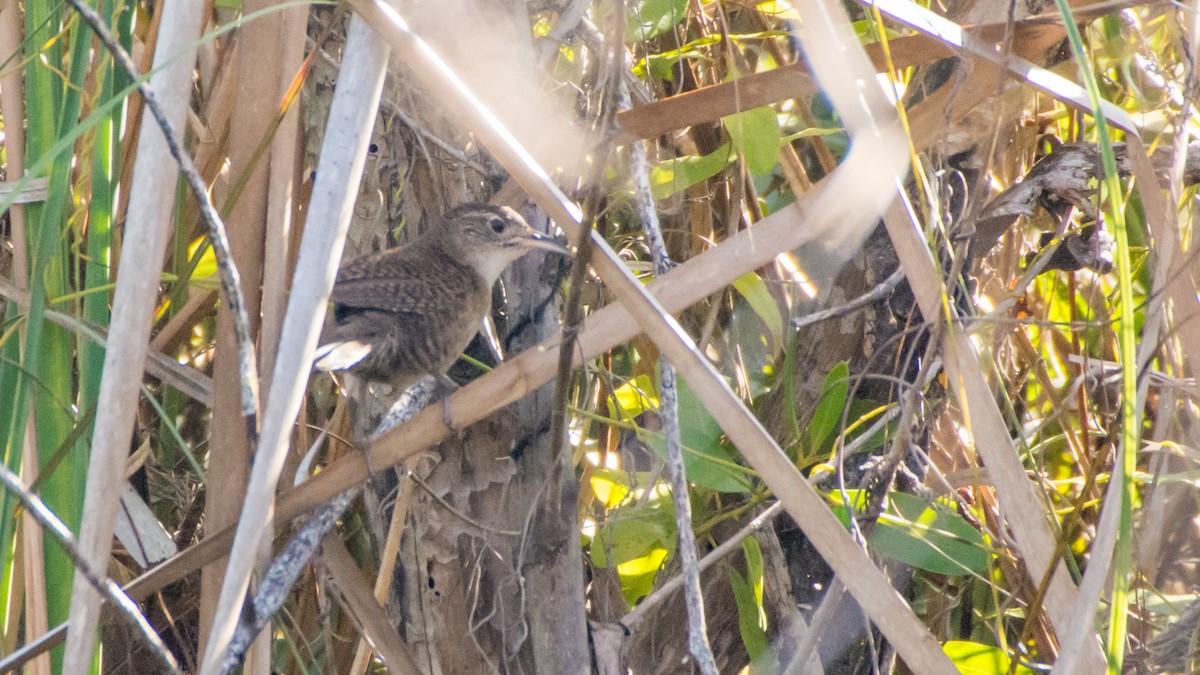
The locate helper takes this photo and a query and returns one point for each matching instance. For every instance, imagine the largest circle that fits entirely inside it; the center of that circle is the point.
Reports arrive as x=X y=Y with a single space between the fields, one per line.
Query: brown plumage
x=407 y=312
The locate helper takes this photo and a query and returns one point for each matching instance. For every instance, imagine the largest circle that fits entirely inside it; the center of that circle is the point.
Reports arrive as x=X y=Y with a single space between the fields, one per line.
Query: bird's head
x=492 y=237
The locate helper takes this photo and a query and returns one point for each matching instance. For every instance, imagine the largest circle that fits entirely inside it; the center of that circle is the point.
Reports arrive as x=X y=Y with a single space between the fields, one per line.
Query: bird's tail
x=340 y=355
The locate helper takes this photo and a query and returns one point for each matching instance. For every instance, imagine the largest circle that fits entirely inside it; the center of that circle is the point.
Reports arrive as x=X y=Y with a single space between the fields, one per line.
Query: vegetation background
x=936 y=404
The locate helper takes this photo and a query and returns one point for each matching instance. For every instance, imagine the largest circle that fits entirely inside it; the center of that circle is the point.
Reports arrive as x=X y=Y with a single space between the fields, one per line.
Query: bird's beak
x=535 y=239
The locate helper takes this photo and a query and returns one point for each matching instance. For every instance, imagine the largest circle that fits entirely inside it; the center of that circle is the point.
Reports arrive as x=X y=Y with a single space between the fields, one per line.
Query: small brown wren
x=408 y=312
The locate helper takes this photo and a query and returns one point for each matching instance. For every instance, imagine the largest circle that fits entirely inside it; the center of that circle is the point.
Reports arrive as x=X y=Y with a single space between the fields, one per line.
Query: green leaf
x=928 y=537
x=630 y=534
x=707 y=462
x=747 y=593
x=828 y=413
x=650 y=18
x=754 y=290
x=754 y=566
x=662 y=65
x=204 y=276
x=755 y=133
x=610 y=487
x=635 y=541
x=931 y=538
x=680 y=173
x=715 y=469
x=633 y=398
x=972 y=658
x=813 y=132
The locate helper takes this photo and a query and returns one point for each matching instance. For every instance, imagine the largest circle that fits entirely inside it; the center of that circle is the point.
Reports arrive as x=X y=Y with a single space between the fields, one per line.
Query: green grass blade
x=1126 y=462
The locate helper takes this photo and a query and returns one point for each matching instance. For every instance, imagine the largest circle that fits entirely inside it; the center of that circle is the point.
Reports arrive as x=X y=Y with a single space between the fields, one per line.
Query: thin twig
x=458 y=156
x=874 y=295
x=126 y=607
x=698 y=645
x=284 y=571
x=573 y=313
x=878 y=481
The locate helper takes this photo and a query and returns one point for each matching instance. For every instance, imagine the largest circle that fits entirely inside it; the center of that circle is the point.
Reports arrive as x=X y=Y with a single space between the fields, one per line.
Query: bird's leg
x=448 y=387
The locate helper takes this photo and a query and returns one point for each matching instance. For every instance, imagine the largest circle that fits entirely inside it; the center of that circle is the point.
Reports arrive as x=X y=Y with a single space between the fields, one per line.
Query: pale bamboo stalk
x=188 y=381
x=281 y=198
x=285 y=59
x=695 y=279
x=126 y=608
x=11 y=102
x=147 y=227
x=1184 y=282
x=277 y=581
x=360 y=84
x=1080 y=630
x=1155 y=525
x=218 y=109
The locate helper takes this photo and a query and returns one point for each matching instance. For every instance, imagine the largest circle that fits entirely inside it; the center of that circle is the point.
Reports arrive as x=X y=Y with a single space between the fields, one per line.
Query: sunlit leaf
x=747 y=593
x=633 y=532
x=205 y=274
x=828 y=413
x=754 y=290
x=610 y=487
x=662 y=65
x=707 y=462
x=633 y=398
x=680 y=173
x=650 y=18
x=779 y=9
x=932 y=538
x=972 y=658
x=755 y=133
x=638 y=575
x=754 y=568
x=636 y=542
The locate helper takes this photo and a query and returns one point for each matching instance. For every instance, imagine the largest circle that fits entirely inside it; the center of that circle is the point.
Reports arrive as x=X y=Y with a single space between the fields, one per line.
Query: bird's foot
x=448 y=387
x=447 y=419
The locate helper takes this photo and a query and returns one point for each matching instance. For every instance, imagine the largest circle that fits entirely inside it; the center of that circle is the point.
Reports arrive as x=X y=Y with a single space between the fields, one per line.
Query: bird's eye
x=497 y=224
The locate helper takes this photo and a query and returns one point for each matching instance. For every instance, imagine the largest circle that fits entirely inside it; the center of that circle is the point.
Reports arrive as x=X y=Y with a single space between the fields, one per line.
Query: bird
x=408 y=312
